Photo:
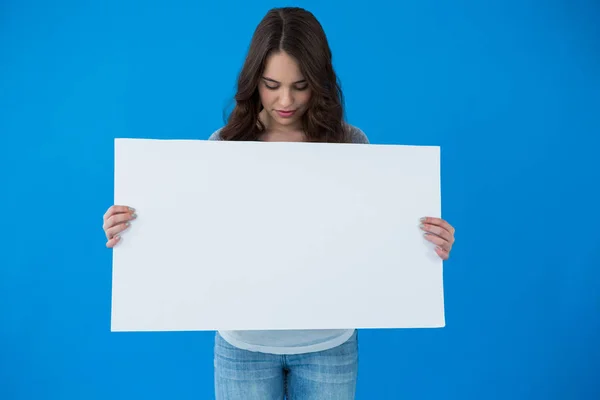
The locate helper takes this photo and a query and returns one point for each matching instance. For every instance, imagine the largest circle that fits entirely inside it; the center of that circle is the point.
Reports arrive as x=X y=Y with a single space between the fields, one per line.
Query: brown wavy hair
x=298 y=33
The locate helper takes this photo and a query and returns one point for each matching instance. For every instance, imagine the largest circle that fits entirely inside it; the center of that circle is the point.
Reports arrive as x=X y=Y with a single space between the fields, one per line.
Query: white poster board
x=269 y=236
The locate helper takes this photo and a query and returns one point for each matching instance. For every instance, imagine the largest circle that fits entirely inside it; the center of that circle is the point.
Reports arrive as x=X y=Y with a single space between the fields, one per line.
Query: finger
x=113 y=242
x=438 y=222
x=116 y=209
x=444 y=244
x=444 y=254
x=115 y=230
x=439 y=231
x=118 y=219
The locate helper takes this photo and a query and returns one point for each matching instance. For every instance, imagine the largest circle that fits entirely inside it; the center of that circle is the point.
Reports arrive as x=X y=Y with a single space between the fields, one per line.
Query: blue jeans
x=247 y=375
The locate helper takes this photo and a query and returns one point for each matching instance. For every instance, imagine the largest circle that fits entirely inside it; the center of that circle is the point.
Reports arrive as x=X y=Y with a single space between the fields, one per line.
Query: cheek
x=266 y=96
x=303 y=98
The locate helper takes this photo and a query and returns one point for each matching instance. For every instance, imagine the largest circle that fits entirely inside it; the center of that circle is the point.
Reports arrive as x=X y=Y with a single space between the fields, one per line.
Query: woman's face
x=284 y=93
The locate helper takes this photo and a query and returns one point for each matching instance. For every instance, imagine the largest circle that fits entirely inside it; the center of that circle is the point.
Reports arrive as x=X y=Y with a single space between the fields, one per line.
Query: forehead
x=283 y=68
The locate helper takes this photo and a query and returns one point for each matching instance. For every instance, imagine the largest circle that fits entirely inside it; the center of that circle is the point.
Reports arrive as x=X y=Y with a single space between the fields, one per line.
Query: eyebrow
x=274 y=81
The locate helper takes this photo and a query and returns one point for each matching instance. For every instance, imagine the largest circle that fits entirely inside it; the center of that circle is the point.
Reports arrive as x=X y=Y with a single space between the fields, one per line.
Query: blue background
x=509 y=89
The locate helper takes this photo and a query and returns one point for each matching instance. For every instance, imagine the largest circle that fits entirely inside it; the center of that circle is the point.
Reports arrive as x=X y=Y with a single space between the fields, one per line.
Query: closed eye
x=272 y=84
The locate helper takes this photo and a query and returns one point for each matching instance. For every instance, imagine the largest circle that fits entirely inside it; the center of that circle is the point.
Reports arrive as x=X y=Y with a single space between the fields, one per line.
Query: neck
x=277 y=133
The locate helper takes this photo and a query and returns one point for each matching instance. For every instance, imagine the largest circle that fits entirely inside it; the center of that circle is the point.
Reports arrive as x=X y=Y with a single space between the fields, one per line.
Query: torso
x=278 y=136
x=290 y=341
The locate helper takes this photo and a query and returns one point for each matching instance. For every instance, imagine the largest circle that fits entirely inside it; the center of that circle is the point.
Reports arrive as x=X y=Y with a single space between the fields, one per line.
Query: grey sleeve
x=216 y=135
x=357 y=135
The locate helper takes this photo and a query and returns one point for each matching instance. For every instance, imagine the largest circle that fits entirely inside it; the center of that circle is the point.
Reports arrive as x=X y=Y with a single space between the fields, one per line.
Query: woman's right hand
x=116 y=220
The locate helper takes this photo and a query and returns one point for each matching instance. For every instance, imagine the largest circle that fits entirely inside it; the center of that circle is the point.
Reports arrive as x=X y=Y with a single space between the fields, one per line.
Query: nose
x=286 y=98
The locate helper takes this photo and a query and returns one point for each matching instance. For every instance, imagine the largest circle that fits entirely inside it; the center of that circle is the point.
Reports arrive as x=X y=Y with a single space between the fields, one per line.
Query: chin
x=288 y=121
x=285 y=121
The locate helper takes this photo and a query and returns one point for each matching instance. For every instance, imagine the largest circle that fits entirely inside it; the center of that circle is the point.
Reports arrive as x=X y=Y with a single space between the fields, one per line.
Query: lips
x=285 y=114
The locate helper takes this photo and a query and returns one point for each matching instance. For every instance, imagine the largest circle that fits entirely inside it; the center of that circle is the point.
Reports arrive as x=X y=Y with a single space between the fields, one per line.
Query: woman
x=287 y=91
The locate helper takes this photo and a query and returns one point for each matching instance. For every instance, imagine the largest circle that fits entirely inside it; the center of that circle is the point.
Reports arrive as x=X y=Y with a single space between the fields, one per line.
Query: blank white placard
x=270 y=236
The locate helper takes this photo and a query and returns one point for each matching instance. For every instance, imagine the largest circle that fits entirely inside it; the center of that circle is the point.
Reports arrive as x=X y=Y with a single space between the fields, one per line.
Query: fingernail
x=421 y=226
x=133 y=216
x=117 y=238
x=423 y=219
x=131 y=209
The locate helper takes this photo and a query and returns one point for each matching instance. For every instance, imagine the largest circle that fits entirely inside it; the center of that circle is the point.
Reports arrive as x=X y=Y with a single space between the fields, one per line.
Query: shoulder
x=216 y=135
x=356 y=135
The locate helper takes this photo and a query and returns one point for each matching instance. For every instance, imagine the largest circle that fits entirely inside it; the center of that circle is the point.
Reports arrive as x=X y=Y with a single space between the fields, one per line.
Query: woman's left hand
x=439 y=232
